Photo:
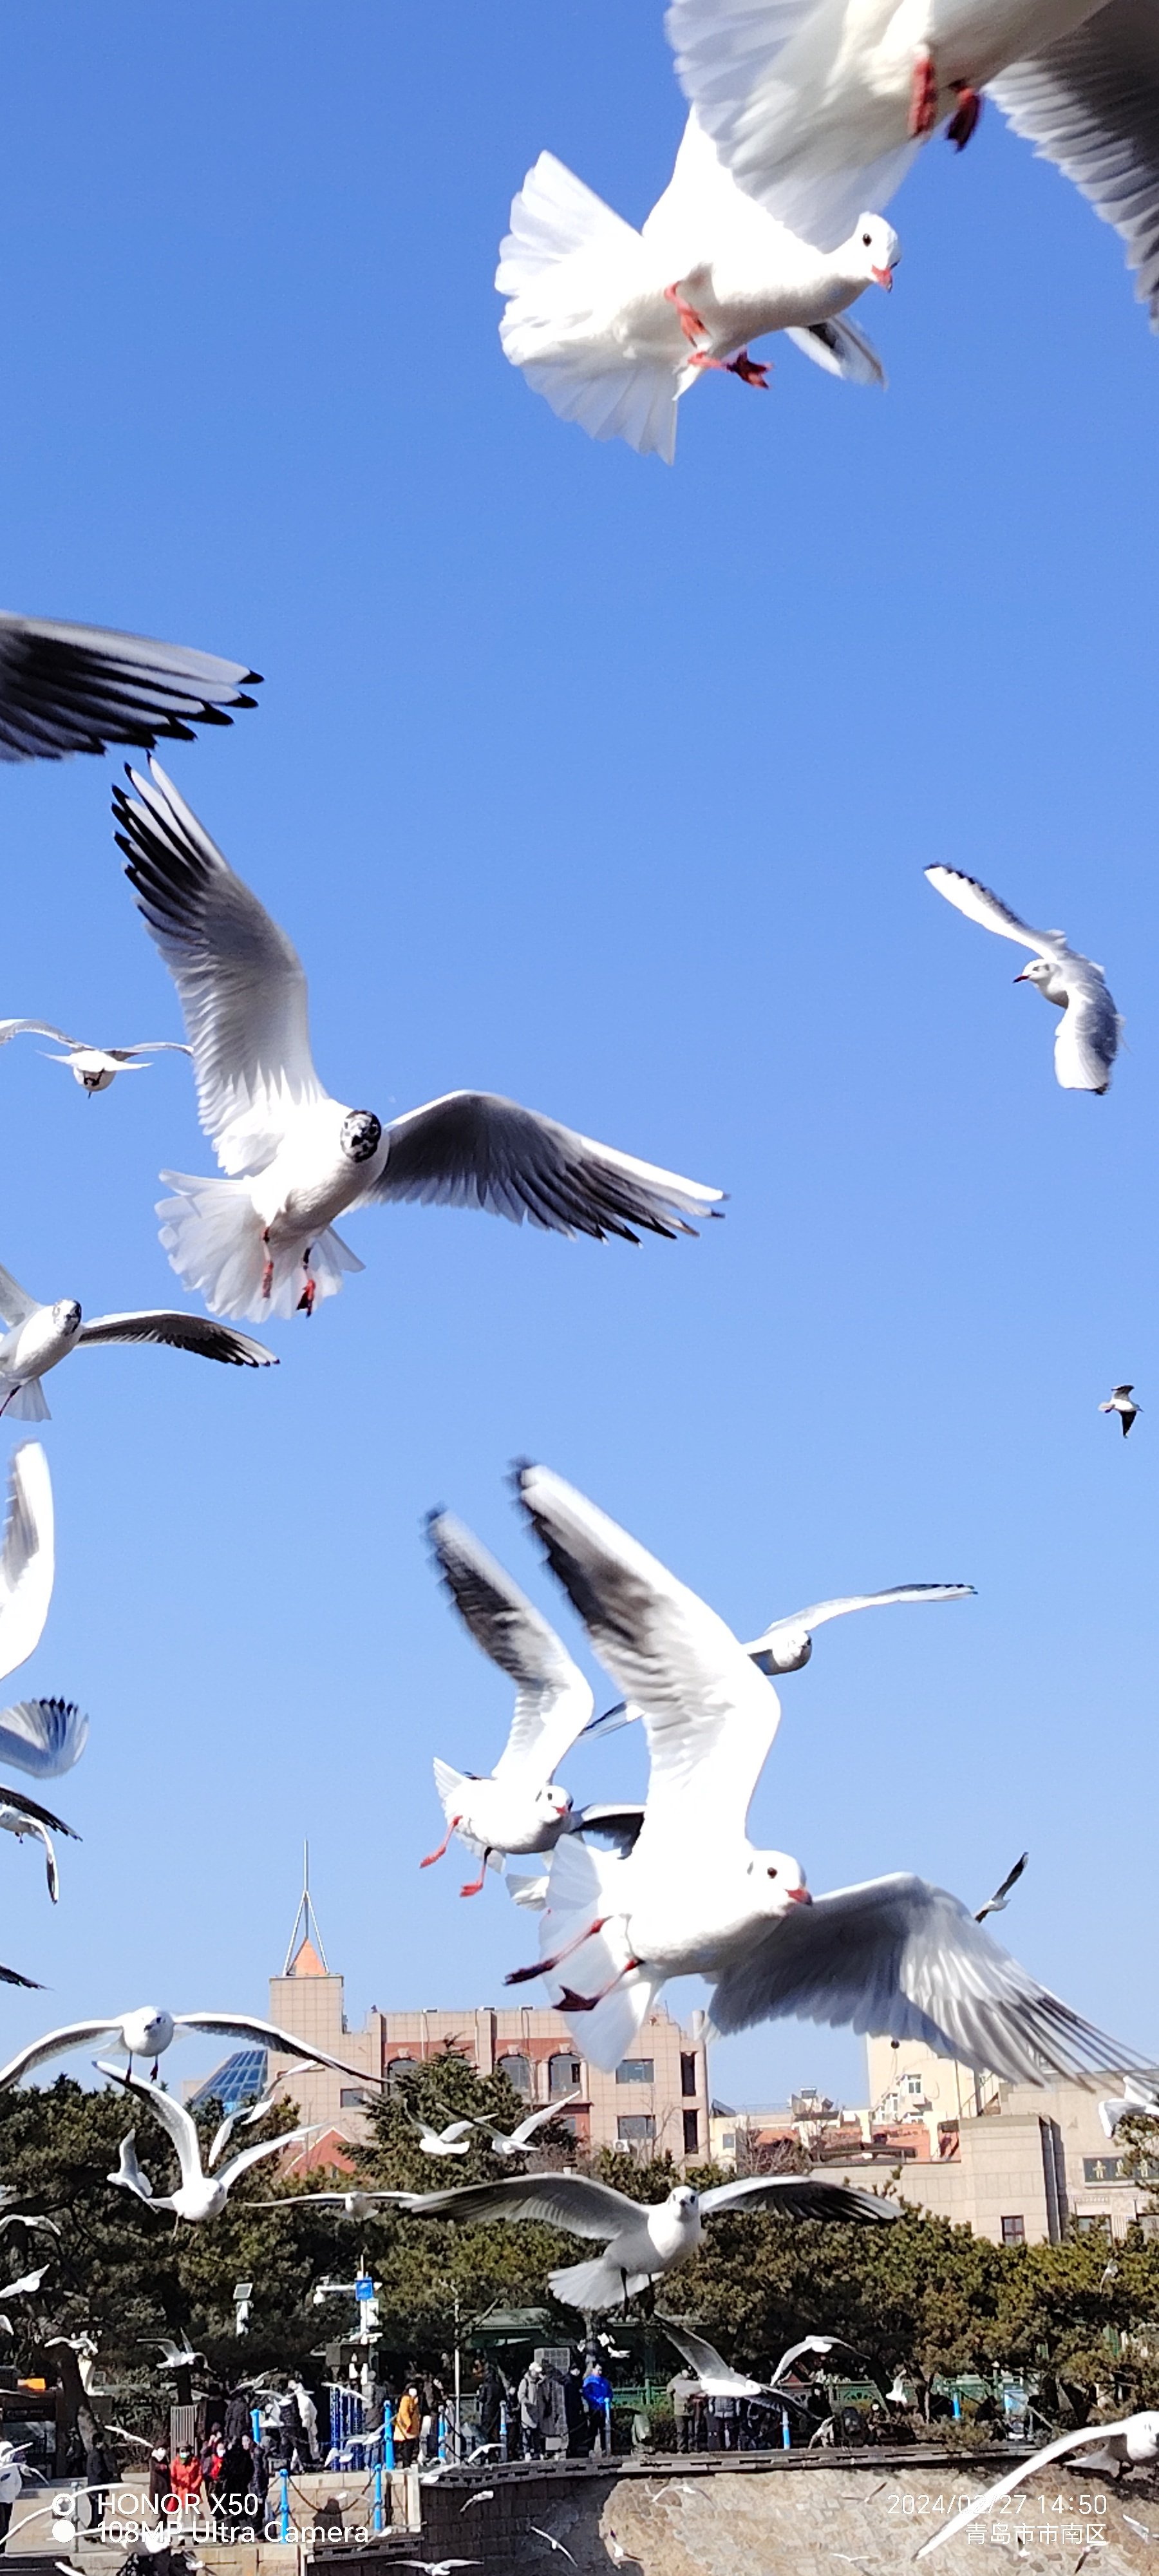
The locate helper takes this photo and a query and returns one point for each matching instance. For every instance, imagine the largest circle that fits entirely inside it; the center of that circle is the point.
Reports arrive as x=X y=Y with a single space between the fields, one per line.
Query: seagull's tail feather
x=567 y=261
x=214 y=1242
x=593 y=2286
x=584 y=1886
x=449 y=1784
x=29 y=1404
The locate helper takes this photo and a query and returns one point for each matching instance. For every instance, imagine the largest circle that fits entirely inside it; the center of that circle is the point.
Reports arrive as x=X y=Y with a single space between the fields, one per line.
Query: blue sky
x=609 y=787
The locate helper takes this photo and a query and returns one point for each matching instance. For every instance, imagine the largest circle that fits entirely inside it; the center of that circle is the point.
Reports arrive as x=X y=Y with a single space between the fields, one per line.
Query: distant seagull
x=199 y=2195
x=150 y=2030
x=454 y=2140
x=41 y=1336
x=174 y=2356
x=21 y=1816
x=1119 y=1401
x=95 y=1068
x=30 y=2219
x=716 y=2377
x=263 y=1242
x=520 y=1806
x=353 y=2204
x=1087 y=1039
x=552 y=2542
x=521 y=2137
x=998 y=1903
x=79 y=688
x=896 y=1956
x=1132 y=2443
x=1131 y=2103
x=25 y=2288
x=437 y=2566
x=245 y=2117
x=819 y=2346
x=484 y=2495
x=642 y=2240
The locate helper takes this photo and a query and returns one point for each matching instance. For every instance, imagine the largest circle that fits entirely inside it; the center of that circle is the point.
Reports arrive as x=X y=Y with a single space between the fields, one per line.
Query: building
x=656 y=2100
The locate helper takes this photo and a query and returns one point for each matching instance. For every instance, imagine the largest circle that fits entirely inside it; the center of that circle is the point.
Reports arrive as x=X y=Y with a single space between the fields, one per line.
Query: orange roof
x=306 y=1962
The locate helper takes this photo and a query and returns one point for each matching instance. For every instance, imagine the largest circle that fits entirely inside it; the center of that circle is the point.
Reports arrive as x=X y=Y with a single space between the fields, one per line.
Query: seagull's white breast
x=36 y=1346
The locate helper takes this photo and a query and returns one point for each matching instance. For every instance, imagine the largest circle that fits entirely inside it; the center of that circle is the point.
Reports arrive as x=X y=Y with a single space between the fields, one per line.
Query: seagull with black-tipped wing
x=1086 y=1040
x=40 y=1337
x=94 y=1067
x=66 y=689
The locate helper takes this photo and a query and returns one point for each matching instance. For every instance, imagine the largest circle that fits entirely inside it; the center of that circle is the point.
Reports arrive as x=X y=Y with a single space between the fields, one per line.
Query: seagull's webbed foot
x=965 y=117
x=570 y=2002
x=923 y=97
x=475 y=1886
x=752 y=371
x=309 y=1293
x=690 y=321
x=544 y=1967
x=432 y=1857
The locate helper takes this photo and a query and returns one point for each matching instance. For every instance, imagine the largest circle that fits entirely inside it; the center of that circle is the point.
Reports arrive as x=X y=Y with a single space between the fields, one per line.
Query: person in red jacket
x=185 y=2478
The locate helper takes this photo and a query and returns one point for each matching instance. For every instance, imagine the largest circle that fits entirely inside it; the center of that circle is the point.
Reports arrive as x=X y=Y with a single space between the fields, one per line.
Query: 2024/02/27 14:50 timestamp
x=914 y=2507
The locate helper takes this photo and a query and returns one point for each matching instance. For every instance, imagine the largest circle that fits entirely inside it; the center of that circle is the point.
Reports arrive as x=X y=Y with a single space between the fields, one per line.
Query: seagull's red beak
x=800 y=1896
x=1021 y=979
x=884 y=277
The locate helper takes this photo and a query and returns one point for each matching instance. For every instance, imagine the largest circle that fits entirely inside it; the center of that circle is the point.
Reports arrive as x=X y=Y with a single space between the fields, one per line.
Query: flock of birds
x=802 y=113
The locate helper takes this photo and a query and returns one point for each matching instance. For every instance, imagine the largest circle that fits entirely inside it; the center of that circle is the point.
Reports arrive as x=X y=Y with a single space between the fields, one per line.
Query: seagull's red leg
x=476 y=1885
x=965 y=117
x=455 y=1822
x=690 y=321
x=544 y=1967
x=752 y=371
x=268 y=1272
x=923 y=97
x=570 y=2002
x=310 y=1291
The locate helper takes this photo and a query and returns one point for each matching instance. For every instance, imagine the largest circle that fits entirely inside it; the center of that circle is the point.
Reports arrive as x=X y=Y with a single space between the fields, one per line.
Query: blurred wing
x=618 y=1826
x=221 y=2138
x=15 y=1303
x=820 y=1611
x=240 y=2164
x=1026 y=2469
x=1086 y=1040
x=841 y=350
x=701 y=2355
x=12 y=1977
x=801 y=2195
x=535 y=2119
x=78 y=688
x=74 y=2034
x=979 y=904
x=710 y=1718
x=34 y=1028
x=266 y=2034
x=899 y=1958
x=239 y=980
x=44 y=1736
x=472 y=1149
x=581 y=2206
x=553 y=1701
x=155 y=1046
x=1090 y=103
x=27 y=1558
x=172 y=2115
x=202 y=1333
x=15 y=1799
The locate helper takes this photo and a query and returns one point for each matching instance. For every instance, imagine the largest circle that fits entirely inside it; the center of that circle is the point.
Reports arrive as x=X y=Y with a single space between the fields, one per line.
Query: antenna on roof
x=305 y=1924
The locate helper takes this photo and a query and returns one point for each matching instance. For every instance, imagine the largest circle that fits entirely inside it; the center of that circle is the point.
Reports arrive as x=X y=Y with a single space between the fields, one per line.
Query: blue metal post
x=957 y=2405
x=786 y=2430
x=377 y=2517
x=388 y=2433
x=284 y=2506
x=442 y=2435
x=256 y=2423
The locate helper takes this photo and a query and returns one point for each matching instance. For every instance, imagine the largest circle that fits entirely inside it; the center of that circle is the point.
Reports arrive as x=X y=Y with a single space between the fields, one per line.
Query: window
x=518 y=2072
x=351 y=2098
x=636 y=2070
x=1014 y=2231
x=691 y=2133
x=396 y=2074
x=564 y=2075
x=687 y=2071
x=728 y=2142
x=634 y=2127
x=1091 y=2224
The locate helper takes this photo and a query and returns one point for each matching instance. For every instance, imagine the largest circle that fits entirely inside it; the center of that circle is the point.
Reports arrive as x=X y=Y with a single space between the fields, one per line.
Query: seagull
x=41 y=1336
x=28 y=2218
x=263 y=1241
x=998 y=1903
x=243 y=2118
x=79 y=688
x=820 y=2345
x=518 y=2141
x=896 y=1957
x=21 y=1816
x=26 y=2287
x=613 y=325
x=451 y=2141
x=787 y=1645
x=715 y=2376
x=1119 y=1401
x=199 y=2195
x=1087 y=1037
x=519 y=1807
x=174 y=2356
x=1130 y=2444
x=552 y=2542
x=484 y=2495
x=44 y=1736
x=353 y=2204
x=438 y=2566
x=817 y=105
x=1130 y=2104
x=95 y=1068
x=149 y=2031
x=642 y=2240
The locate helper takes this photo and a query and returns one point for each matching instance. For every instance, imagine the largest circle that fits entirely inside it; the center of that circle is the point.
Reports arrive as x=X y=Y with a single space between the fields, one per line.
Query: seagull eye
x=867 y=238
x=771 y=1873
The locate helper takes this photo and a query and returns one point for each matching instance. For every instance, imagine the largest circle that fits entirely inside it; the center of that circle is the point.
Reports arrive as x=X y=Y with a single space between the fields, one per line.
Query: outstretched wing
x=1082 y=2440
x=23 y=1806
x=899 y=1958
x=202 y=1333
x=1086 y=1040
x=44 y=1736
x=239 y=980
x=172 y=2115
x=842 y=350
x=79 y=688
x=248 y=2156
x=801 y=2195
x=575 y=2202
x=799 y=1624
x=35 y=1029
x=553 y=1701
x=473 y=1149
x=27 y=1559
x=15 y=1303
x=73 y=2034
x=1090 y=103
x=979 y=904
x=266 y=2034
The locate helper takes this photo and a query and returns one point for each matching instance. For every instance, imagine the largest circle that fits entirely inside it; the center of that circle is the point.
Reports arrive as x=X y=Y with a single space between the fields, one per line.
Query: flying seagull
x=518 y=2140
x=198 y=2195
x=262 y=1240
x=1130 y=2444
x=520 y=1806
x=21 y=1816
x=451 y=2141
x=174 y=2356
x=896 y=1956
x=150 y=2030
x=998 y=1903
x=95 y=1068
x=614 y=325
x=39 y=1337
x=642 y=2240
x=1131 y=2103
x=79 y=688
x=245 y=2117
x=352 y=2204
x=716 y=2376
x=1119 y=1401
x=44 y=1736
x=552 y=2542
x=1087 y=1038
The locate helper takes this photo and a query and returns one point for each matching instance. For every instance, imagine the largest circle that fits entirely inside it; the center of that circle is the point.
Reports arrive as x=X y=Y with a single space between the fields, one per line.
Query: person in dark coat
x=158 y=2475
x=238 y=2490
x=237 y=2417
x=100 y=2475
x=575 y=2415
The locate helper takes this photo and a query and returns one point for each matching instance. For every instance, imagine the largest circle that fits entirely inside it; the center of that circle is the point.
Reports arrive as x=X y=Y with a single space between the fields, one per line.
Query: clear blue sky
x=609 y=787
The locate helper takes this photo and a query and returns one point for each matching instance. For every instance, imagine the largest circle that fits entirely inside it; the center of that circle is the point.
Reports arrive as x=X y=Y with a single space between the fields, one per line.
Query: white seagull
x=22 y=1817
x=44 y=1736
x=95 y=1068
x=716 y=2376
x=79 y=688
x=1086 y=1040
x=786 y=1646
x=613 y=325
x=820 y=105
x=998 y=1903
x=1120 y=1401
x=198 y=2195
x=40 y=1337
x=519 y=1807
x=263 y=1241
x=149 y=2030
x=454 y=2140
x=352 y=2204
x=518 y=2140
x=26 y=2287
x=642 y=2240
x=1131 y=2103
x=1132 y=2443
x=245 y=2117
x=896 y=1956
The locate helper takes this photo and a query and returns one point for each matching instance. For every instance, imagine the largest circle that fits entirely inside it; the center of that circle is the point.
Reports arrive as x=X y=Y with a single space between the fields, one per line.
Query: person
x=11 y=2481
x=407 y=2426
x=722 y=2423
x=158 y=2476
x=237 y=2416
x=490 y=2406
x=575 y=2414
x=290 y=2429
x=532 y=2395
x=432 y=2409
x=682 y=2389
x=100 y=2475
x=185 y=2480
x=598 y=2400
x=212 y=2467
x=308 y=2416
x=237 y=2490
